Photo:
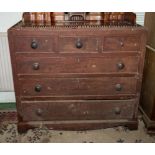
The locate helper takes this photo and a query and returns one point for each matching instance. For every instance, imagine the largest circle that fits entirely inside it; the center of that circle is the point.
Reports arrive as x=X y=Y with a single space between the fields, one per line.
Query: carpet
x=9 y=134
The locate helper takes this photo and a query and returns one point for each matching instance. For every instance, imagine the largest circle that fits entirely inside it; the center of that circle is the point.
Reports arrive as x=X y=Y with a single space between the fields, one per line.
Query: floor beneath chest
x=8 y=133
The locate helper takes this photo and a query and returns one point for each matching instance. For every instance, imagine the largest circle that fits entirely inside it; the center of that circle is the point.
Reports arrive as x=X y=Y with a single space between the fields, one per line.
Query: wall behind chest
x=7 y=19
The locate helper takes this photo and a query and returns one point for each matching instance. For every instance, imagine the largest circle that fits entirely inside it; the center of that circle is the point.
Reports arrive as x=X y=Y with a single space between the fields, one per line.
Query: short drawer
x=130 y=43
x=102 y=86
x=78 y=44
x=76 y=65
x=77 y=110
x=34 y=44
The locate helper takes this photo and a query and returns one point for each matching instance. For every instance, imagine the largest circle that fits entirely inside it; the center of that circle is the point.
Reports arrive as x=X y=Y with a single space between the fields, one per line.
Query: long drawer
x=77 y=64
x=78 y=86
x=77 y=110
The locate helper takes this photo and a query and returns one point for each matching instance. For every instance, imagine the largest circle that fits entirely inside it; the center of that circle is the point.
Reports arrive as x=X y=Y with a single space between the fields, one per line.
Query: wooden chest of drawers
x=77 y=77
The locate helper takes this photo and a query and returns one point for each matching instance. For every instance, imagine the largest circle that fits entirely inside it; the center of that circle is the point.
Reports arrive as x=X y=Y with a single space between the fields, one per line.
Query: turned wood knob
x=120 y=65
x=38 y=88
x=122 y=44
x=35 y=66
x=118 y=87
x=79 y=44
x=34 y=44
x=117 y=110
x=39 y=112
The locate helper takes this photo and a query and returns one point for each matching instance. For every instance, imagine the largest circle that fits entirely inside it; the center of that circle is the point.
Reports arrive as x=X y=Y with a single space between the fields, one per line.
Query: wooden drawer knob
x=34 y=44
x=79 y=44
x=35 y=66
x=122 y=44
x=117 y=110
x=120 y=65
x=39 y=112
x=118 y=87
x=38 y=88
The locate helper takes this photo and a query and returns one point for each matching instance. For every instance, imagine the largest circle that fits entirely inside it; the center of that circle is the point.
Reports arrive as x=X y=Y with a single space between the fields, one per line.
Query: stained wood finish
x=77 y=110
x=78 y=86
x=148 y=86
x=69 y=44
x=77 y=64
x=43 y=43
x=77 y=77
x=148 y=92
x=124 y=43
x=77 y=125
x=48 y=18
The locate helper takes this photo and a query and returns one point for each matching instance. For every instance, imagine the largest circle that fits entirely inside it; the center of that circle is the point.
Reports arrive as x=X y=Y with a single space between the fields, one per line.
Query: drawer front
x=77 y=110
x=78 y=86
x=34 y=44
x=72 y=64
x=69 y=44
x=121 y=43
